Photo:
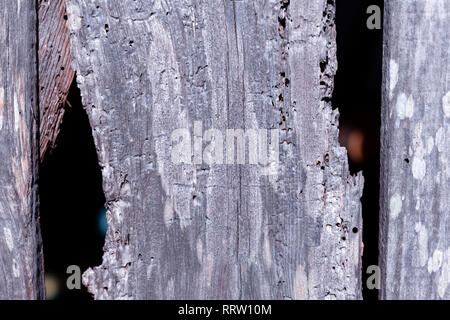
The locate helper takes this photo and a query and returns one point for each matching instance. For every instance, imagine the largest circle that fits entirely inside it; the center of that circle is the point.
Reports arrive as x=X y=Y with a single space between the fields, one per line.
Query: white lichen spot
x=435 y=262
x=446 y=104
x=200 y=250
x=422 y=243
x=417 y=204
x=169 y=213
x=15 y=269
x=300 y=284
x=80 y=79
x=395 y=206
x=419 y=168
x=267 y=250
x=440 y=139
x=444 y=278
x=16 y=113
x=8 y=238
x=430 y=145
x=393 y=77
x=405 y=106
x=73 y=17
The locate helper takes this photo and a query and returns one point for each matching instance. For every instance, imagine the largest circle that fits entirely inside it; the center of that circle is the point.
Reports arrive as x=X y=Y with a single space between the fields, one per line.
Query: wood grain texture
x=21 y=275
x=55 y=71
x=415 y=185
x=199 y=231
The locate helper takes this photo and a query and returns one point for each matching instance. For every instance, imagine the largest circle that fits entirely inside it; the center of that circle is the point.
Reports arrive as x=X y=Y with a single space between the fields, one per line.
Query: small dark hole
x=355 y=230
x=407 y=160
x=323 y=65
x=65 y=17
x=285 y=4
x=282 y=22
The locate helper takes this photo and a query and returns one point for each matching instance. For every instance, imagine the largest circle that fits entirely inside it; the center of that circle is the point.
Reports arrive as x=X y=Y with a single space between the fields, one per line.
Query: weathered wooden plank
x=21 y=275
x=55 y=71
x=415 y=219
x=196 y=231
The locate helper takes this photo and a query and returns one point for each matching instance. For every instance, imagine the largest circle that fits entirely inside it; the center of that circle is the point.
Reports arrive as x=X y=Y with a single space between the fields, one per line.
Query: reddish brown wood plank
x=55 y=72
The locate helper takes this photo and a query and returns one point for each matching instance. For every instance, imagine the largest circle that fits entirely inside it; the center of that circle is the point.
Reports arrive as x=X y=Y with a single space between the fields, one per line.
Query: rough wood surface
x=197 y=231
x=415 y=202
x=21 y=275
x=55 y=71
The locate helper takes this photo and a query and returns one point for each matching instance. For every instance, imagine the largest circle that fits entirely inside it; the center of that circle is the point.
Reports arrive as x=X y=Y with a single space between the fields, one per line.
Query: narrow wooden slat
x=21 y=265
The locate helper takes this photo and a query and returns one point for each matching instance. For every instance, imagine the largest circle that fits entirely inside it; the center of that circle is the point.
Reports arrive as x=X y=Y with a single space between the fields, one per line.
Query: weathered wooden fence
x=164 y=82
x=415 y=172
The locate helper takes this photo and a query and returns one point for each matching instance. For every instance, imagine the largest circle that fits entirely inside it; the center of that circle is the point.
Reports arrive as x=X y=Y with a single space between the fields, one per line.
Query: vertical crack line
x=239 y=207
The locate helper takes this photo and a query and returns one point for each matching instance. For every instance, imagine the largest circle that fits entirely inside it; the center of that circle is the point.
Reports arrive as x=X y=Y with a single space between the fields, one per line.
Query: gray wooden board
x=21 y=270
x=228 y=231
x=415 y=184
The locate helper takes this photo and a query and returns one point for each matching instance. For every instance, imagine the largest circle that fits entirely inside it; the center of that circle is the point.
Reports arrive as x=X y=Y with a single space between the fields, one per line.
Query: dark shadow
x=357 y=95
x=72 y=203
